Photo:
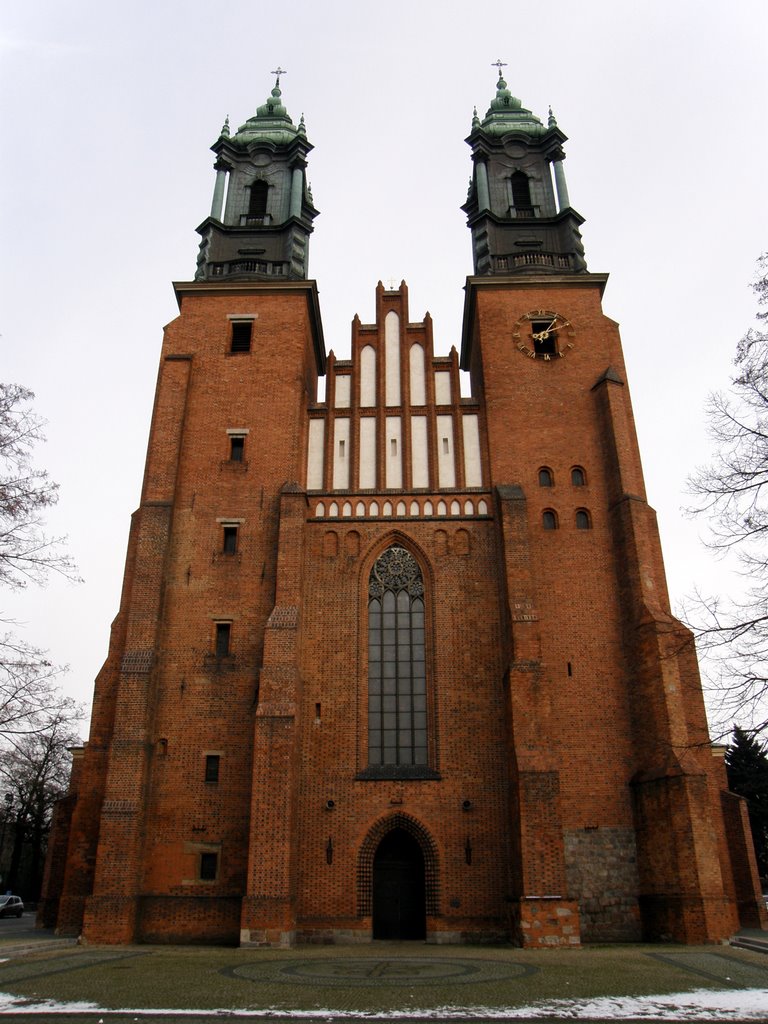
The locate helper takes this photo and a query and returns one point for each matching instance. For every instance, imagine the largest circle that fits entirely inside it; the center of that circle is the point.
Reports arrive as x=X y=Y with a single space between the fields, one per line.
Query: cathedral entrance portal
x=399 y=896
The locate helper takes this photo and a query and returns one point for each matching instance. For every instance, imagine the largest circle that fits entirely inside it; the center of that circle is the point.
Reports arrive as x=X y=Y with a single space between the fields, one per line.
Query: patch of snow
x=699 y=1005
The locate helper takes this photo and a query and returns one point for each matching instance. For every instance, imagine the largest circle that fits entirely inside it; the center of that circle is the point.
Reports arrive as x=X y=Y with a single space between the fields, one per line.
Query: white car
x=10 y=906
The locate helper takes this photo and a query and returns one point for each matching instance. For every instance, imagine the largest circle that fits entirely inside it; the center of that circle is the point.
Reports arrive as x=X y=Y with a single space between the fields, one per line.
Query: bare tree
x=34 y=774
x=29 y=697
x=732 y=491
x=26 y=553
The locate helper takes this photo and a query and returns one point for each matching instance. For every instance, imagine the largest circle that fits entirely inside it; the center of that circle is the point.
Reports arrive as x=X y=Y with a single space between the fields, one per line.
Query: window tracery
x=397 y=688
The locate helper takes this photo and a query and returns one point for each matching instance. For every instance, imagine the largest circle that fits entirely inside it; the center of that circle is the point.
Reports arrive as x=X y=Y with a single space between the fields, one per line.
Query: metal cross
x=499 y=64
x=392 y=284
x=281 y=71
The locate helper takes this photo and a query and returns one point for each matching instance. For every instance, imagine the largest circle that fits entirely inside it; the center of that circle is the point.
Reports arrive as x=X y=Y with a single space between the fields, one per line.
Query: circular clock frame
x=549 y=338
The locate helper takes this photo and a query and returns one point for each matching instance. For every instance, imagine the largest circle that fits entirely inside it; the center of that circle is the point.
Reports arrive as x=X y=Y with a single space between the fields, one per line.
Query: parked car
x=11 y=905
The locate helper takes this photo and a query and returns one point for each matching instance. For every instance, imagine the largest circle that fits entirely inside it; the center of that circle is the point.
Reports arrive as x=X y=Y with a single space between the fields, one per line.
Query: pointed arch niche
x=397 y=713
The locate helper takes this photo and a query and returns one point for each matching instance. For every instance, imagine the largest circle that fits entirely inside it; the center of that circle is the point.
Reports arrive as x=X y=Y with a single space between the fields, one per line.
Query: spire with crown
x=262 y=228
x=521 y=220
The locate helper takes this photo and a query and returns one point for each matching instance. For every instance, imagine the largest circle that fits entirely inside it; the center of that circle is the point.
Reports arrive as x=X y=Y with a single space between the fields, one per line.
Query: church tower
x=614 y=787
x=520 y=223
x=263 y=227
x=397 y=663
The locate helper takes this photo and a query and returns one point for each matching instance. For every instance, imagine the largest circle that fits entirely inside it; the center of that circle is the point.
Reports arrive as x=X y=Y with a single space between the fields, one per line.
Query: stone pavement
x=407 y=979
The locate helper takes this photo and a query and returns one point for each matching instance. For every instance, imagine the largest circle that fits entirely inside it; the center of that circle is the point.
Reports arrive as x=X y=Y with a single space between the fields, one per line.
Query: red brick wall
x=558 y=683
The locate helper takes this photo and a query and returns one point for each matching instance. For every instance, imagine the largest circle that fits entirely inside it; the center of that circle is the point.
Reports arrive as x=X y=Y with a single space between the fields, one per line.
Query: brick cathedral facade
x=397 y=663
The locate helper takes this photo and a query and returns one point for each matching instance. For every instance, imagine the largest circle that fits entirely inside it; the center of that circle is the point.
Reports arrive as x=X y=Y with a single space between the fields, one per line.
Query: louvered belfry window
x=521 y=194
x=397 y=685
x=257 y=207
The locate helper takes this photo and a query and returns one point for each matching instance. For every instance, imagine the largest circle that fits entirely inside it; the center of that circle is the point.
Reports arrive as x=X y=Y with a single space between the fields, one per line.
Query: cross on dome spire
x=280 y=71
x=499 y=64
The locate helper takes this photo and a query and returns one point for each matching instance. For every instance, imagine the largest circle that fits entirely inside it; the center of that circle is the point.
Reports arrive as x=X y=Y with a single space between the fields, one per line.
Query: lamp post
x=8 y=804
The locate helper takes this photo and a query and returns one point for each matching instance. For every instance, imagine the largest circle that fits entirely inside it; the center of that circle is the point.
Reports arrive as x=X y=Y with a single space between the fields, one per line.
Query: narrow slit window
x=223 y=639
x=236 y=448
x=229 y=543
x=393 y=446
x=241 y=336
x=446 y=446
x=342 y=449
x=212 y=767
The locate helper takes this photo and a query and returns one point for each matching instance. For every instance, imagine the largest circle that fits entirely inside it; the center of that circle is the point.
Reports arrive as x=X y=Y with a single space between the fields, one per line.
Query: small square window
x=236 y=448
x=209 y=865
x=212 y=767
x=229 y=543
x=223 y=638
x=241 y=335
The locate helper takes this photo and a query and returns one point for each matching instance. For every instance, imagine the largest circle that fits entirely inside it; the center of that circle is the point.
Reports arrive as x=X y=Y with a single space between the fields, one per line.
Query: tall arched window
x=521 y=194
x=257 y=207
x=397 y=684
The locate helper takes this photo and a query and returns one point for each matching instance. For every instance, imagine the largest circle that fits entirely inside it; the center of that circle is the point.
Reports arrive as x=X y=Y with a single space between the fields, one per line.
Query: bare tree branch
x=732 y=492
x=30 y=699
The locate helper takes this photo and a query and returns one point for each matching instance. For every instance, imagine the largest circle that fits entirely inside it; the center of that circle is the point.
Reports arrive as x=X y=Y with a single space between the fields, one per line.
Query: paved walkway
x=408 y=979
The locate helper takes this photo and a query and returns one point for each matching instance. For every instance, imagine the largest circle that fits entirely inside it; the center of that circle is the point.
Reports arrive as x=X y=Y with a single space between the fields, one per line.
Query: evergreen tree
x=746 y=762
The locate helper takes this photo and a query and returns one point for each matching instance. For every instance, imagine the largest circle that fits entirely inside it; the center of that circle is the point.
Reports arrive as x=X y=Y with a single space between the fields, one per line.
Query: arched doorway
x=399 y=894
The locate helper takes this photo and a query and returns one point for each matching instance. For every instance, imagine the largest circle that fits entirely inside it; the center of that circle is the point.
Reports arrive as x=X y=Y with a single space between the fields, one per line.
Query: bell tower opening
x=518 y=208
x=399 y=891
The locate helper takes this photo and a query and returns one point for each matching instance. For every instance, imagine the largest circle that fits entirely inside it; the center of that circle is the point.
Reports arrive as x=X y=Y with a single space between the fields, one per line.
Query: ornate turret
x=520 y=221
x=262 y=229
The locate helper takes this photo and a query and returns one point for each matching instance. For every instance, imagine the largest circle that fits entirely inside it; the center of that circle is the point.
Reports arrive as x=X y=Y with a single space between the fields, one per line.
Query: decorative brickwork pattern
x=137 y=661
x=368 y=852
x=567 y=791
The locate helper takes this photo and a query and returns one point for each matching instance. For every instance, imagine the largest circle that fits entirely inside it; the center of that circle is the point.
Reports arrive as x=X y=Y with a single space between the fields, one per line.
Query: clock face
x=543 y=334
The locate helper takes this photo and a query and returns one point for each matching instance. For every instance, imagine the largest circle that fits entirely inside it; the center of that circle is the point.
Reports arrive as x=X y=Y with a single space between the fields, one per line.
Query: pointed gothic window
x=521 y=195
x=397 y=684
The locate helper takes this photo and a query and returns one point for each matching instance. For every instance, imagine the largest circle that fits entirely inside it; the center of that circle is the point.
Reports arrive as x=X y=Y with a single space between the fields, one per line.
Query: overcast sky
x=107 y=115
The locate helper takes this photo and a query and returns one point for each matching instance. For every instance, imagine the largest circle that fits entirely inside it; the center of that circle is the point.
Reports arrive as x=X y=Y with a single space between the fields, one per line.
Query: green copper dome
x=270 y=123
x=507 y=114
